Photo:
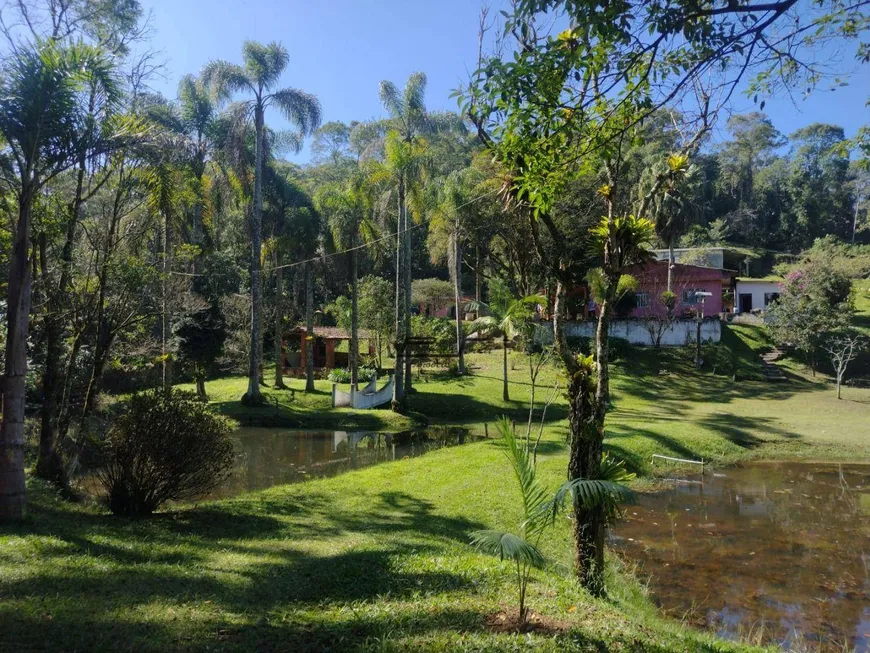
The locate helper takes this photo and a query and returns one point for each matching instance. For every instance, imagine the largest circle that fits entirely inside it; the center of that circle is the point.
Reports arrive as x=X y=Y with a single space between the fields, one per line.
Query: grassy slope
x=377 y=559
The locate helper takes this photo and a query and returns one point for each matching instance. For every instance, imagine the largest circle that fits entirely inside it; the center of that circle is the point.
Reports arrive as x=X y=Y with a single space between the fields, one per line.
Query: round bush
x=166 y=447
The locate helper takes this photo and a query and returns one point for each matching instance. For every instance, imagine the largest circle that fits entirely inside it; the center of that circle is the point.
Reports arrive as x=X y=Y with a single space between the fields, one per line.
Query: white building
x=755 y=294
x=708 y=257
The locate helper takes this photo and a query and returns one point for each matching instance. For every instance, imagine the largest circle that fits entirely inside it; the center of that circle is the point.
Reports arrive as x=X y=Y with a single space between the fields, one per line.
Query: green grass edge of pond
x=377 y=559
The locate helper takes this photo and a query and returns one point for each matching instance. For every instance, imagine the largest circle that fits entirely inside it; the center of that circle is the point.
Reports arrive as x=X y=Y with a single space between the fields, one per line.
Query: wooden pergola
x=326 y=339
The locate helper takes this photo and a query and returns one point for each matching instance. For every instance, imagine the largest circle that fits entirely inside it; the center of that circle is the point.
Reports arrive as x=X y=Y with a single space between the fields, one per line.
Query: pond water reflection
x=779 y=549
x=269 y=456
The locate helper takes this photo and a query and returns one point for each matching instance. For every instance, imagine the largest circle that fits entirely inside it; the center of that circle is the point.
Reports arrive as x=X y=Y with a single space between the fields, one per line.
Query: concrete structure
x=366 y=398
x=755 y=295
x=643 y=332
x=326 y=339
x=710 y=257
x=689 y=284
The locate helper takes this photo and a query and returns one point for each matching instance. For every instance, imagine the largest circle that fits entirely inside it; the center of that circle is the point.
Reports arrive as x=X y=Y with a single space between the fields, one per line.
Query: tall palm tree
x=260 y=73
x=408 y=120
x=508 y=316
x=197 y=112
x=348 y=212
x=293 y=231
x=448 y=226
x=43 y=108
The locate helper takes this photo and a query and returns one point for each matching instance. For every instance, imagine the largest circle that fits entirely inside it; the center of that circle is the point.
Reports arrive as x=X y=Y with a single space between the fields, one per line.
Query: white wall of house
x=761 y=292
x=678 y=334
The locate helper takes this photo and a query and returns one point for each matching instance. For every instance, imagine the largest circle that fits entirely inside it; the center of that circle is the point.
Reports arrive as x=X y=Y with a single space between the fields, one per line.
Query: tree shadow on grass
x=443 y=376
x=742 y=431
x=666 y=443
x=177 y=557
x=271 y=631
x=464 y=409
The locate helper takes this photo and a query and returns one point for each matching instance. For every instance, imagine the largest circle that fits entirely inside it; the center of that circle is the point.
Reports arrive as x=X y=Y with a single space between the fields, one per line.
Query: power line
x=389 y=236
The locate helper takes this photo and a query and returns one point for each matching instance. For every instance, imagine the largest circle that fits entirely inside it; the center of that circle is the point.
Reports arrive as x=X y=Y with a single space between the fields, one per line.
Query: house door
x=745 y=302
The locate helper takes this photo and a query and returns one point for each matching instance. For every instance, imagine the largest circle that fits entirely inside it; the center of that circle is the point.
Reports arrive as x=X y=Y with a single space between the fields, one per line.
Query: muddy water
x=779 y=551
x=268 y=456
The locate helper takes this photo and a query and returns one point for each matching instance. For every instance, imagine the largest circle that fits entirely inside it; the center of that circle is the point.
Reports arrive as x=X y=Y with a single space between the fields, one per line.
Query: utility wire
x=389 y=236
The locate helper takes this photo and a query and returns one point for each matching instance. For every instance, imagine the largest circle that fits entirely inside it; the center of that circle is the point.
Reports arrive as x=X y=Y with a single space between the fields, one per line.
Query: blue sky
x=341 y=49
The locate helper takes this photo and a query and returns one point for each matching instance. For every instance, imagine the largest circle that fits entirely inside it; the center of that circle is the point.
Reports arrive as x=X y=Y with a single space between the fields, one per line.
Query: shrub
x=166 y=447
x=342 y=375
x=339 y=375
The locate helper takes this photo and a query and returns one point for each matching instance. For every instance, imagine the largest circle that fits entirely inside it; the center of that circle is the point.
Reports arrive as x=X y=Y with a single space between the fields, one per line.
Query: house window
x=641 y=300
x=770 y=297
x=690 y=295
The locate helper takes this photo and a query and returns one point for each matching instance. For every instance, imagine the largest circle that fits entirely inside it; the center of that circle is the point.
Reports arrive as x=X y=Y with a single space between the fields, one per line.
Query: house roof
x=330 y=333
x=695 y=272
x=767 y=279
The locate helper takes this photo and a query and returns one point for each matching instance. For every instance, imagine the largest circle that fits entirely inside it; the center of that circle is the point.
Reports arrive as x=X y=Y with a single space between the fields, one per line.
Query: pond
x=270 y=456
x=773 y=551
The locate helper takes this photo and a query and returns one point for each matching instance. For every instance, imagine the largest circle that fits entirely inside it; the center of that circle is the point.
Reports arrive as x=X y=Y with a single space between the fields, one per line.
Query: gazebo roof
x=329 y=333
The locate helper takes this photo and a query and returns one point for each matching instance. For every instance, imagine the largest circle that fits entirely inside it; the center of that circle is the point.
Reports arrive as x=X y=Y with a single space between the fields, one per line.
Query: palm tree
x=43 y=110
x=289 y=216
x=604 y=493
x=448 y=225
x=508 y=316
x=197 y=112
x=408 y=121
x=673 y=208
x=348 y=211
x=263 y=66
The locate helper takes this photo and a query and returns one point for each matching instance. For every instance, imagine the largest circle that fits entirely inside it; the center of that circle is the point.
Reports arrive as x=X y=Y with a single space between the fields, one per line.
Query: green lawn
x=377 y=559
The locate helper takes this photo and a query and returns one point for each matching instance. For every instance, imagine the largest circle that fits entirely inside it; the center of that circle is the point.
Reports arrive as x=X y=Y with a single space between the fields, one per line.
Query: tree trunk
x=49 y=464
x=671 y=264
x=166 y=376
x=294 y=312
x=477 y=297
x=104 y=335
x=260 y=342
x=354 y=318
x=585 y=462
x=457 y=291
x=200 y=384
x=399 y=401
x=253 y=396
x=13 y=498
x=103 y=346
x=279 y=321
x=408 y=352
x=64 y=410
x=504 y=392
x=586 y=442
x=380 y=349
x=309 y=328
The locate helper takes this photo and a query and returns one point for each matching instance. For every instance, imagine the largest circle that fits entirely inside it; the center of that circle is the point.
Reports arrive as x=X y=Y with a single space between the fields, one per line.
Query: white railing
x=368 y=397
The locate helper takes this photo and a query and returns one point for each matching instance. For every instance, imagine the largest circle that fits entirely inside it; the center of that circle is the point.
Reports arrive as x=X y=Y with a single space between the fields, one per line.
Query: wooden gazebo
x=326 y=339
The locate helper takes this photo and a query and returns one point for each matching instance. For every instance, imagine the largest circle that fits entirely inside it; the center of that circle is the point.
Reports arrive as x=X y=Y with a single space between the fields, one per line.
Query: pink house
x=443 y=309
x=689 y=282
